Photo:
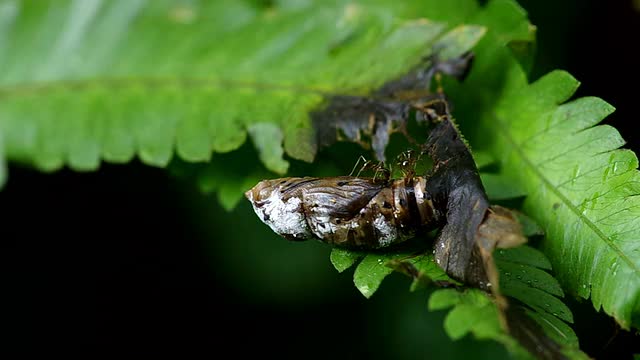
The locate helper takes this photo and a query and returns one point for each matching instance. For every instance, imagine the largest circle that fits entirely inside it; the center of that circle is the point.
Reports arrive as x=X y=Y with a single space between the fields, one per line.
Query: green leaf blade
x=268 y=140
x=580 y=187
x=535 y=278
x=370 y=272
x=343 y=259
x=554 y=327
x=525 y=255
x=473 y=312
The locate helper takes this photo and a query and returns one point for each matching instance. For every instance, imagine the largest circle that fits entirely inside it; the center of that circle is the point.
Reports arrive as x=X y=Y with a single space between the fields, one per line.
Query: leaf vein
x=564 y=153
x=575 y=177
x=36 y=89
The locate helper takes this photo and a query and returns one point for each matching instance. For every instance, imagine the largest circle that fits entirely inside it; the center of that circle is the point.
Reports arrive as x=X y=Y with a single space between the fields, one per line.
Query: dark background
x=132 y=260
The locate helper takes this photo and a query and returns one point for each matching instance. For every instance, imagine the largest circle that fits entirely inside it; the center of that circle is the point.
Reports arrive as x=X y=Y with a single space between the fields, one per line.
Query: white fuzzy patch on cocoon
x=387 y=232
x=322 y=226
x=284 y=218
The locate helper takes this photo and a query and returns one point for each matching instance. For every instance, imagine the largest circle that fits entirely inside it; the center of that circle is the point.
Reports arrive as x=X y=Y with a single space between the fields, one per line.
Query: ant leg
x=368 y=165
x=379 y=169
x=365 y=161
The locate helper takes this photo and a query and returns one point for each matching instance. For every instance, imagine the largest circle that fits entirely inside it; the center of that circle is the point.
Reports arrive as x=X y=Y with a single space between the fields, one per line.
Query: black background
x=112 y=262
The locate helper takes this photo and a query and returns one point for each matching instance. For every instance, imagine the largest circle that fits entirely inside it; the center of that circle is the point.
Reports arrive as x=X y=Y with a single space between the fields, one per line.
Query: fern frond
x=580 y=186
x=85 y=82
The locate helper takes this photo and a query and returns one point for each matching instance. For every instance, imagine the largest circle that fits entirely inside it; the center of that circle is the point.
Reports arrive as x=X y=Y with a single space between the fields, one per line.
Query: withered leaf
x=370 y=120
x=366 y=121
x=455 y=187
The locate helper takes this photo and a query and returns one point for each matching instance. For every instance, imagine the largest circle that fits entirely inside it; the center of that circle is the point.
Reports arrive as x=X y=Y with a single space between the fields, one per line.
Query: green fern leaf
x=473 y=311
x=343 y=259
x=579 y=185
x=373 y=267
x=370 y=272
x=85 y=82
x=582 y=188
